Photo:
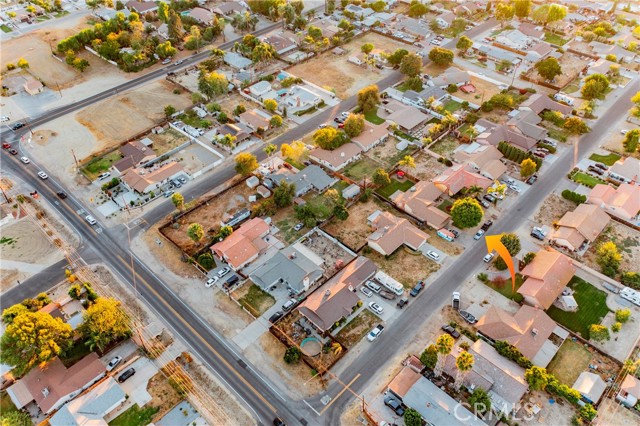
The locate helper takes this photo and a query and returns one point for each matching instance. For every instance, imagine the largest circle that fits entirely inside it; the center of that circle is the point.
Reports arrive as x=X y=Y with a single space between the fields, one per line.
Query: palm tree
x=464 y=362
x=444 y=345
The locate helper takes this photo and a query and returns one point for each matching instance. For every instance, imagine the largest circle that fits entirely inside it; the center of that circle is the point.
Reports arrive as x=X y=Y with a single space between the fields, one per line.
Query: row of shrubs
x=517 y=155
x=574 y=196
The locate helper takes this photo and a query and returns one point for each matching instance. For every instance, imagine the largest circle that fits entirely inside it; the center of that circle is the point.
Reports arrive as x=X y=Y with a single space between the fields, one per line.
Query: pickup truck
x=387 y=294
x=373 y=334
x=455 y=300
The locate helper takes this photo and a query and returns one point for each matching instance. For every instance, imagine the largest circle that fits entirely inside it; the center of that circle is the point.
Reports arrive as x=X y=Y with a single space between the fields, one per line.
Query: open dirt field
x=553 y=208
x=571 y=65
x=167 y=254
x=427 y=167
x=166 y=141
x=210 y=215
x=628 y=242
x=387 y=154
x=119 y=118
x=163 y=395
x=354 y=231
x=404 y=266
x=343 y=76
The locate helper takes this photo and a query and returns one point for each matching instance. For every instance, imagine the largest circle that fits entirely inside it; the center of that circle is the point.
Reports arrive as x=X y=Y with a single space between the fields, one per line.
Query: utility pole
x=75 y=160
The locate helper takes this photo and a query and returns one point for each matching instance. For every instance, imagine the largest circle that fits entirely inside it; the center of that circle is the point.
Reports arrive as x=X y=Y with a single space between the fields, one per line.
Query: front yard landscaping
x=100 y=164
x=256 y=300
x=404 y=265
x=135 y=416
x=592 y=307
x=395 y=185
x=571 y=359
x=357 y=328
x=586 y=179
x=609 y=160
x=505 y=288
x=372 y=117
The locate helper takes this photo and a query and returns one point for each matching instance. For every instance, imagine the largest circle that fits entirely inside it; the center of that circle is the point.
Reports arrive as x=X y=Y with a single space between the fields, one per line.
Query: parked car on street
x=275 y=317
x=455 y=300
x=485 y=226
x=532 y=179
x=402 y=302
x=488 y=257
x=13 y=152
x=478 y=235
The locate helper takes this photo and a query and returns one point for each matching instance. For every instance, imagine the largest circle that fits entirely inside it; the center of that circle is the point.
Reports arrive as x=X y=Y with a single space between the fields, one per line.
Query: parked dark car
x=402 y=302
x=601 y=166
x=595 y=170
x=532 y=179
x=486 y=225
x=278 y=422
x=468 y=317
x=417 y=289
x=17 y=126
x=13 y=152
x=454 y=232
x=450 y=331
x=127 y=374
x=275 y=317
x=394 y=405
x=489 y=198
x=61 y=194
x=537 y=235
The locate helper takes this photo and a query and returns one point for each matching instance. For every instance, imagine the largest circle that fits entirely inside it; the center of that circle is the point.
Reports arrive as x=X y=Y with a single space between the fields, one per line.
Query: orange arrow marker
x=494 y=243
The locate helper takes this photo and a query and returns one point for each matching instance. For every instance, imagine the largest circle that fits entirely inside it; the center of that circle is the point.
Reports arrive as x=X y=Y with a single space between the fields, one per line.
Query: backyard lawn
x=395 y=185
x=135 y=416
x=361 y=169
x=592 y=307
x=571 y=359
x=552 y=38
x=445 y=205
x=101 y=164
x=357 y=328
x=256 y=300
x=609 y=160
x=504 y=288
x=444 y=146
x=452 y=106
x=586 y=179
x=372 y=117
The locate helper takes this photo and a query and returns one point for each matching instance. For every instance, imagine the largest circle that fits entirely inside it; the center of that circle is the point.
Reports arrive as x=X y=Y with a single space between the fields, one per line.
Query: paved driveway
x=136 y=386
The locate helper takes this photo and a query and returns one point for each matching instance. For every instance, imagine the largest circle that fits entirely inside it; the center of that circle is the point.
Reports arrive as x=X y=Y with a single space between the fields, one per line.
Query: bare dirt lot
x=387 y=154
x=552 y=209
x=405 y=266
x=571 y=65
x=343 y=76
x=119 y=118
x=427 y=167
x=166 y=141
x=628 y=242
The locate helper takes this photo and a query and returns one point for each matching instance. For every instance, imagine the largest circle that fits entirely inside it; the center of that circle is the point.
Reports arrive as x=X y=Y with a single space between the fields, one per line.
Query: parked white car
x=376 y=308
x=211 y=282
x=433 y=255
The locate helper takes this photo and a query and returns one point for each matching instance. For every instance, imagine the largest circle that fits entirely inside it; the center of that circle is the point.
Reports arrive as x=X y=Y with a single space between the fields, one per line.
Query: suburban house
x=591 y=387
x=601 y=66
x=163 y=31
x=420 y=202
x=490 y=133
x=336 y=298
x=411 y=97
x=445 y=20
x=626 y=170
x=467 y=8
x=629 y=392
x=391 y=232
x=228 y=8
x=531 y=30
x=302 y=97
x=485 y=159
x=460 y=176
x=201 y=15
x=622 y=202
x=255 y=119
x=546 y=276
x=143 y=180
x=141 y=7
x=260 y=89
x=407 y=117
x=280 y=43
x=238 y=130
x=603 y=49
x=33 y=86
x=134 y=154
x=372 y=135
x=530 y=330
x=411 y=26
x=310 y=178
x=434 y=405
x=297 y=267
x=515 y=39
x=106 y=14
x=379 y=18
x=501 y=378
x=450 y=76
x=526 y=122
x=496 y=54
x=244 y=245
x=92 y=407
x=359 y=12
x=338 y=158
x=52 y=386
x=576 y=229
x=236 y=61
x=539 y=103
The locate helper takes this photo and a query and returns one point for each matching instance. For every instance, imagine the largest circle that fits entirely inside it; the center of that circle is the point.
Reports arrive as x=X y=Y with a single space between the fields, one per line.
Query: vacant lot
x=354 y=231
x=405 y=266
x=445 y=146
x=209 y=215
x=553 y=208
x=353 y=332
x=427 y=167
x=342 y=76
x=571 y=359
x=592 y=308
x=363 y=168
x=166 y=141
x=256 y=300
x=388 y=155
x=119 y=118
x=627 y=240
x=484 y=90
x=164 y=396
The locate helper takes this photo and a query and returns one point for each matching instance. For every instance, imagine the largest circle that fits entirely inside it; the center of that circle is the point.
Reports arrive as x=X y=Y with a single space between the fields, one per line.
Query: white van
x=288 y=305
x=373 y=286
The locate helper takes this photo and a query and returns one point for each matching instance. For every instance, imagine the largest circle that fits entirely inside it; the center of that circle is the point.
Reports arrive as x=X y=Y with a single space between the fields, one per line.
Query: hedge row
x=517 y=155
x=574 y=196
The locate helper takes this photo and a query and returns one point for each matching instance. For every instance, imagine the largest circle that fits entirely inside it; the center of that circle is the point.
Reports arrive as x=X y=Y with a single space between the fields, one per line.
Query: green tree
x=464 y=363
x=15 y=418
x=549 y=13
x=444 y=345
x=623 y=315
x=537 y=378
x=225 y=231
x=429 y=357
x=631 y=140
x=595 y=86
x=378 y=6
x=263 y=53
x=417 y=9
x=105 y=322
x=22 y=63
x=34 y=337
x=441 y=56
x=206 y=261
x=212 y=84
x=246 y=163
x=635 y=111
x=292 y=355
x=195 y=232
x=9 y=314
x=576 y=126
x=616 y=327
x=599 y=333
x=163 y=12
x=528 y=257
x=411 y=65
x=548 y=68
x=174 y=27
x=464 y=44
x=354 y=125
x=293 y=150
x=368 y=98
x=381 y=177
x=340 y=211
x=270 y=105
x=466 y=213
x=276 y=121
x=587 y=412
x=396 y=57
x=609 y=258
x=165 y=50
x=178 y=200
x=527 y=167
x=512 y=243
x=411 y=417
x=283 y=194
x=329 y=138
x=367 y=48
x=480 y=401
x=504 y=12
x=522 y=8
x=408 y=162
